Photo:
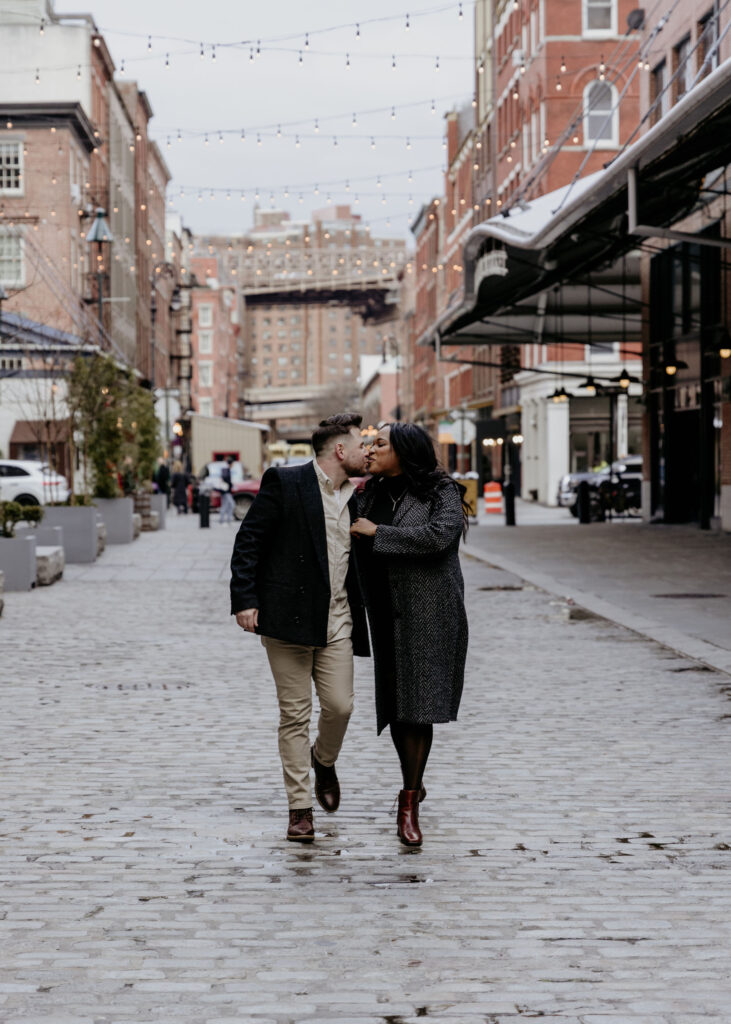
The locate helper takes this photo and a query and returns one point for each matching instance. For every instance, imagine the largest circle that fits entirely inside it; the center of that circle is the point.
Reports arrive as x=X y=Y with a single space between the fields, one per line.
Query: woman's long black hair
x=421 y=470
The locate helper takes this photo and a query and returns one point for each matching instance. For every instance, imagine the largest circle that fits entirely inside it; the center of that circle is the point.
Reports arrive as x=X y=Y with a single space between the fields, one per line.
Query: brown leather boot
x=301 y=827
x=327 y=787
x=407 y=822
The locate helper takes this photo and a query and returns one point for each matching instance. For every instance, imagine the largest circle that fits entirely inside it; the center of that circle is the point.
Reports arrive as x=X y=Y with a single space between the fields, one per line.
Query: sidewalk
x=669 y=583
x=576 y=864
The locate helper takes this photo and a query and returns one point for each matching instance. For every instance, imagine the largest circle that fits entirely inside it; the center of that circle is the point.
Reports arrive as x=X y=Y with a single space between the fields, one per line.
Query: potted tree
x=18 y=554
x=96 y=398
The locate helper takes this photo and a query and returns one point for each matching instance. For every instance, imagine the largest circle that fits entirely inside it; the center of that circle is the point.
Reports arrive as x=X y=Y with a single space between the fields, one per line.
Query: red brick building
x=214 y=341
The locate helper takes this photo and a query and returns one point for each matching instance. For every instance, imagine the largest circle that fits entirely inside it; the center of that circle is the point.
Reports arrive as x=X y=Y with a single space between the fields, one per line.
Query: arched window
x=601 y=117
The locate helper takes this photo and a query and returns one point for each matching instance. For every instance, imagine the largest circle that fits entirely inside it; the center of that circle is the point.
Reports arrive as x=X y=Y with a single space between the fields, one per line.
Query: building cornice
x=48 y=115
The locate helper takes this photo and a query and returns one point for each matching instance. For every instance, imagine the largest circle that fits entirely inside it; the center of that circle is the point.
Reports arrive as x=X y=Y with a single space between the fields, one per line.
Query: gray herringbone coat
x=427 y=599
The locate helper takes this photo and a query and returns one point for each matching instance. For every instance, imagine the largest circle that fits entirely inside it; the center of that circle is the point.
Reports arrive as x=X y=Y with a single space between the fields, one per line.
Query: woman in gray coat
x=412 y=520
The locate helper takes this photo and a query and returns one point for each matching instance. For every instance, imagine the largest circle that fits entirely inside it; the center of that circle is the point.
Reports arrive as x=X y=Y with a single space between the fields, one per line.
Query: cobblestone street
x=577 y=858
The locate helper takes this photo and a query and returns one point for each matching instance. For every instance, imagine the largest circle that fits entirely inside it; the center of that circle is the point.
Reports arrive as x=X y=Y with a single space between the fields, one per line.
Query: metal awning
x=509 y=260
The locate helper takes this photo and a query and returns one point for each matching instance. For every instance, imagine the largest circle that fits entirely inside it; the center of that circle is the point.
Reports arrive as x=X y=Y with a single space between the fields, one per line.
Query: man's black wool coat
x=279 y=563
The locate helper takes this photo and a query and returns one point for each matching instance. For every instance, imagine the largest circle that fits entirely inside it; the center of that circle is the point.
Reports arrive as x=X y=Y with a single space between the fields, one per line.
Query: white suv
x=31 y=483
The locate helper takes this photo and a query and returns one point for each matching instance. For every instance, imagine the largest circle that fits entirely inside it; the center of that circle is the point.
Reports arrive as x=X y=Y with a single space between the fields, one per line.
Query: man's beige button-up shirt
x=337 y=529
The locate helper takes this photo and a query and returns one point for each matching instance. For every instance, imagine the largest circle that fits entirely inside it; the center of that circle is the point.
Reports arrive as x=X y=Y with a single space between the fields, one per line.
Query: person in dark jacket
x=180 y=487
x=412 y=520
x=293 y=581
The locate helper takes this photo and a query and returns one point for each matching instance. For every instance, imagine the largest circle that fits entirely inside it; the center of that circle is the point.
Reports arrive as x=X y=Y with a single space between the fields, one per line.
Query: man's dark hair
x=332 y=427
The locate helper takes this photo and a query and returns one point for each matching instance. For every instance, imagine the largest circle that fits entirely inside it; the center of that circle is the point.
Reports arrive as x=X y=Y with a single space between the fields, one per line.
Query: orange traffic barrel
x=493 y=498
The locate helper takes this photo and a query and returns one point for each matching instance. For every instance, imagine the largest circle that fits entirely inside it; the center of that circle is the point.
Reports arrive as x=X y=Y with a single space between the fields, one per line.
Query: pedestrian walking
x=294 y=582
x=411 y=521
x=180 y=487
x=162 y=479
x=223 y=486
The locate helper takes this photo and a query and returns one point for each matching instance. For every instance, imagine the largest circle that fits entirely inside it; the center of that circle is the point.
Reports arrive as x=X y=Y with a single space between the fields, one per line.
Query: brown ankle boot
x=301 y=828
x=407 y=827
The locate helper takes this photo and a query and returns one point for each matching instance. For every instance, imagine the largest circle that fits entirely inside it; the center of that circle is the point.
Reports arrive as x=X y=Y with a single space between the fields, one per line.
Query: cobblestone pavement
x=576 y=865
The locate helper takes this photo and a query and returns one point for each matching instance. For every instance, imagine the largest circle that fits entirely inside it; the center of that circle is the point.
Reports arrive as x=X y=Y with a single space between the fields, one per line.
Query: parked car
x=620 y=490
x=567 y=487
x=31 y=483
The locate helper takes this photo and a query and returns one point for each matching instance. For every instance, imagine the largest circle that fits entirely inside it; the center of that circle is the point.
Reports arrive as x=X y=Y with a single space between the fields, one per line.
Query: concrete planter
x=18 y=562
x=79 y=530
x=118 y=516
x=159 y=504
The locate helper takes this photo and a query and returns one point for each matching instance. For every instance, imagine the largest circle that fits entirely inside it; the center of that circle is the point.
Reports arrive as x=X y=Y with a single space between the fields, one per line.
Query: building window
x=708 y=42
x=282 y=374
x=601 y=116
x=11 y=167
x=682 y=69
x=600 y=17
x=205 y=375
x=205 y=406
x=12 y=267
x=659 y=93
x=205 y=315
x=205 y=342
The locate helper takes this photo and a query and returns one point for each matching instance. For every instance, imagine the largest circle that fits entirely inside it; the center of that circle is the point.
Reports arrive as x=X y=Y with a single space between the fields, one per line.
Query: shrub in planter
x=11 y=513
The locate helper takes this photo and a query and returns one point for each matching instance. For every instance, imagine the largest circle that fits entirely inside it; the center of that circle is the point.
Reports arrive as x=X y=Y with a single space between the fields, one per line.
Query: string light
x=347 y=62
x=167 y=60
x=558 y=84
x=213 y=52
x=121 y=69
x=436 y=64
x=307 y=40
x=317 y=126
x=202 y=53
x=563 y=66
x=38 y=77
x=149 y=44
x=408 y=25
x=373 y=143
x=393 y=62
x=78 y=73
x=460 y=13
x=355 y=121
x=433 y=107
x=42 y=26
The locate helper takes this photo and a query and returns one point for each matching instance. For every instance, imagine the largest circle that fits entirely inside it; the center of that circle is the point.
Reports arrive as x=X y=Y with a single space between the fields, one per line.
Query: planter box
x=159 y=504
x=79 y=530
x=18 y=561
x=117 y=514
x=46 y=536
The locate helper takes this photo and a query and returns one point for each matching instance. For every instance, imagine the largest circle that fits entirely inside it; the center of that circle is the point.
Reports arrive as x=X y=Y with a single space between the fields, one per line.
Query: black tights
x=412 y=743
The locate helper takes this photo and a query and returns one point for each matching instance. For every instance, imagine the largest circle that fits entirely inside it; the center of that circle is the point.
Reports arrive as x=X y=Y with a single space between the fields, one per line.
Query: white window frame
x=205 y=374
x=205 y=406
x=11 y=239
x=205 y=342
x=612 y=141
x=205 y=315
x=12 y=147
x=598 y=33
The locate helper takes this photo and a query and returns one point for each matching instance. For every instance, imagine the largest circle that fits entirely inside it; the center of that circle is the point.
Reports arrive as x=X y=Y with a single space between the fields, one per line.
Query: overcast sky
x=194 y=96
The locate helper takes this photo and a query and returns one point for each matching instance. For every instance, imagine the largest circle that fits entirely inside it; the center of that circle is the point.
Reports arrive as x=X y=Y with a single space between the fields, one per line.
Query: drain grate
x=685 y=597
x=502 y=587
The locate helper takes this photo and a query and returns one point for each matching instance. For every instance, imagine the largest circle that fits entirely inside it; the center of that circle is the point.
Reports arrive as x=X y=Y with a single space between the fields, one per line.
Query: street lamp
x=100 y=233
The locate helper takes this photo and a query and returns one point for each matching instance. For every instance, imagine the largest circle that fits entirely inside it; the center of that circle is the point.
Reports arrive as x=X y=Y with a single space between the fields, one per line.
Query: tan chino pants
x=294 y=668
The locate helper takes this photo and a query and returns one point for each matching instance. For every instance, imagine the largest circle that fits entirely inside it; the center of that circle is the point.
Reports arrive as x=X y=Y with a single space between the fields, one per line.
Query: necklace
x=395 y=501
